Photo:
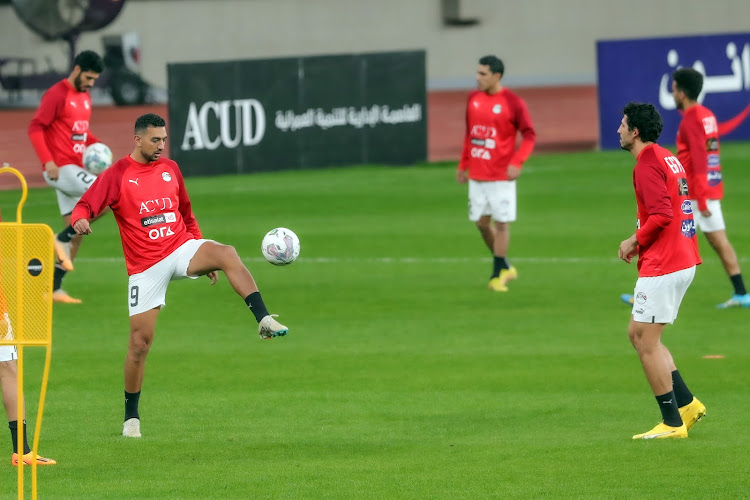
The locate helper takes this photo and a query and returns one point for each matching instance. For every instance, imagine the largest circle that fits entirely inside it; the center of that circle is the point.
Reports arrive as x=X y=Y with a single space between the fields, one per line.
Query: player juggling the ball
x=161 y=242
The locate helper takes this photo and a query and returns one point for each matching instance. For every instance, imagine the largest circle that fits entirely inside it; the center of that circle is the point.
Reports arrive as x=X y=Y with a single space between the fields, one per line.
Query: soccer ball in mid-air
x=280 y=246
x=97 y=157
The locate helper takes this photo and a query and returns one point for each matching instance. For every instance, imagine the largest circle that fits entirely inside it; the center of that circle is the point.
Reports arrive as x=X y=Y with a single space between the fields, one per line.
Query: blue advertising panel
x=641 y=70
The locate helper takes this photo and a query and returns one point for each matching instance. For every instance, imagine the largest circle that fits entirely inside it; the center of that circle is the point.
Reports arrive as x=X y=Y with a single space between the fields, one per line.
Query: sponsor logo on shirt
x=709 y=125
x=686 y=207
x=487 y=143
x=160 y=205
x=78 y=137
x=641 y=298
x=682 y=186
x=80 y=126
x=480 y=153
x=688 y=228
x=483 y=131
x=153 y=220
x=713 y=160
x=714 y=178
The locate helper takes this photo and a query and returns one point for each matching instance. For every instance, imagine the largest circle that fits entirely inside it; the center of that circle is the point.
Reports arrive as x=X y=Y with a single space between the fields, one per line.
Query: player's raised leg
x=212 y=257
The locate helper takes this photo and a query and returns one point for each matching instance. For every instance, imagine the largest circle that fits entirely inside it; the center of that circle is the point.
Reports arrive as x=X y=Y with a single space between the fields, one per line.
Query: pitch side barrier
x=641 y=70
x=298 y=112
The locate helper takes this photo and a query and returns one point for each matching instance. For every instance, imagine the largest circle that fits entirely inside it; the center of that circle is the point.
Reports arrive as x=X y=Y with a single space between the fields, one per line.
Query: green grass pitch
x=402 y=375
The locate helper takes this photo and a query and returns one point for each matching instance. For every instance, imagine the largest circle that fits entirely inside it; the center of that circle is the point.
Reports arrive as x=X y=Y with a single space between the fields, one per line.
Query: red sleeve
x=695 y=137
x=528 y=134
x=651 y=186
x=50 y=105
x=463 y=161
x=186 y=209
x=651 y=229
x=103 y=192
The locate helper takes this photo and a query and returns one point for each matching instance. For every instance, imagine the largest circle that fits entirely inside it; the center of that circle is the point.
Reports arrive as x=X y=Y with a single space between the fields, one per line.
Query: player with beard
x=698 y=151
x=491 y=163
x=161 y=242
x=667 y=253
x=59 y=132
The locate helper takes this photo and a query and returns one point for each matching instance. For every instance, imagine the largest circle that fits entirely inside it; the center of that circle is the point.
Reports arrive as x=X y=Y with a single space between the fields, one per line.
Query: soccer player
x=667 y=252
x=698 y=151
x=59 y=133
x=491 y=163
x=161 y=242
x=9 y=388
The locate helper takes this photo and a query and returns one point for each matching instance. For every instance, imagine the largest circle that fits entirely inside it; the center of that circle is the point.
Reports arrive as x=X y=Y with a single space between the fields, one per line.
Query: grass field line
x=413 y=260
x=400 y=260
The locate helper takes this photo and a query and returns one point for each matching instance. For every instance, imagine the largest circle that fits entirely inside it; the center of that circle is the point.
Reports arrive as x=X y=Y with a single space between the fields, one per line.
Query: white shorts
x=71 y=183
x=709 y=224
x=148 y=290
x=7 y=352
x=657 y=299
x=494 y=198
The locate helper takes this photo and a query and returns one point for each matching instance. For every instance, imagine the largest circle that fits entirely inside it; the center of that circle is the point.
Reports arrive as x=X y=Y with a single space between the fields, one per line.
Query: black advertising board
x=298 y=112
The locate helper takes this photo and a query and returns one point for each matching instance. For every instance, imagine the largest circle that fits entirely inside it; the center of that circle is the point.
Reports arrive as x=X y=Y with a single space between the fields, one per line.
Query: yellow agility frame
x=39 y=333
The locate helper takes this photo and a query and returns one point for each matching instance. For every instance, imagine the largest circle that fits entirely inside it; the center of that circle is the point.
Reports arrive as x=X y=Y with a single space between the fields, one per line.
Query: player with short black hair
x=491 y=163
x=148 y=120
x=667 y=252
x=494 y=63
x=698 y=150
x=59 y=132
x=646 y=119
x=161 y=241
x=89 y=61
x=688 y=81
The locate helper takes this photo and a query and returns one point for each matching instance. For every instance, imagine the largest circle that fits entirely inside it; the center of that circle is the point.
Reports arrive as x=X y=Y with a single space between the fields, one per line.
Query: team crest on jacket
x=166 y=176
x=497 y=109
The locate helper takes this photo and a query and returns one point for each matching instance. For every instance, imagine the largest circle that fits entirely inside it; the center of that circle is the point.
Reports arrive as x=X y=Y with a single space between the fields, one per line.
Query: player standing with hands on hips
x=667 y=252
x=491 y=163
x=161 y=242
x=60 y=133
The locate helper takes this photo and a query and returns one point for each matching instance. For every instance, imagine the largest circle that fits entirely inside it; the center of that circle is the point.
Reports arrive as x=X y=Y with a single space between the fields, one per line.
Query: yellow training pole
x=31 y=271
